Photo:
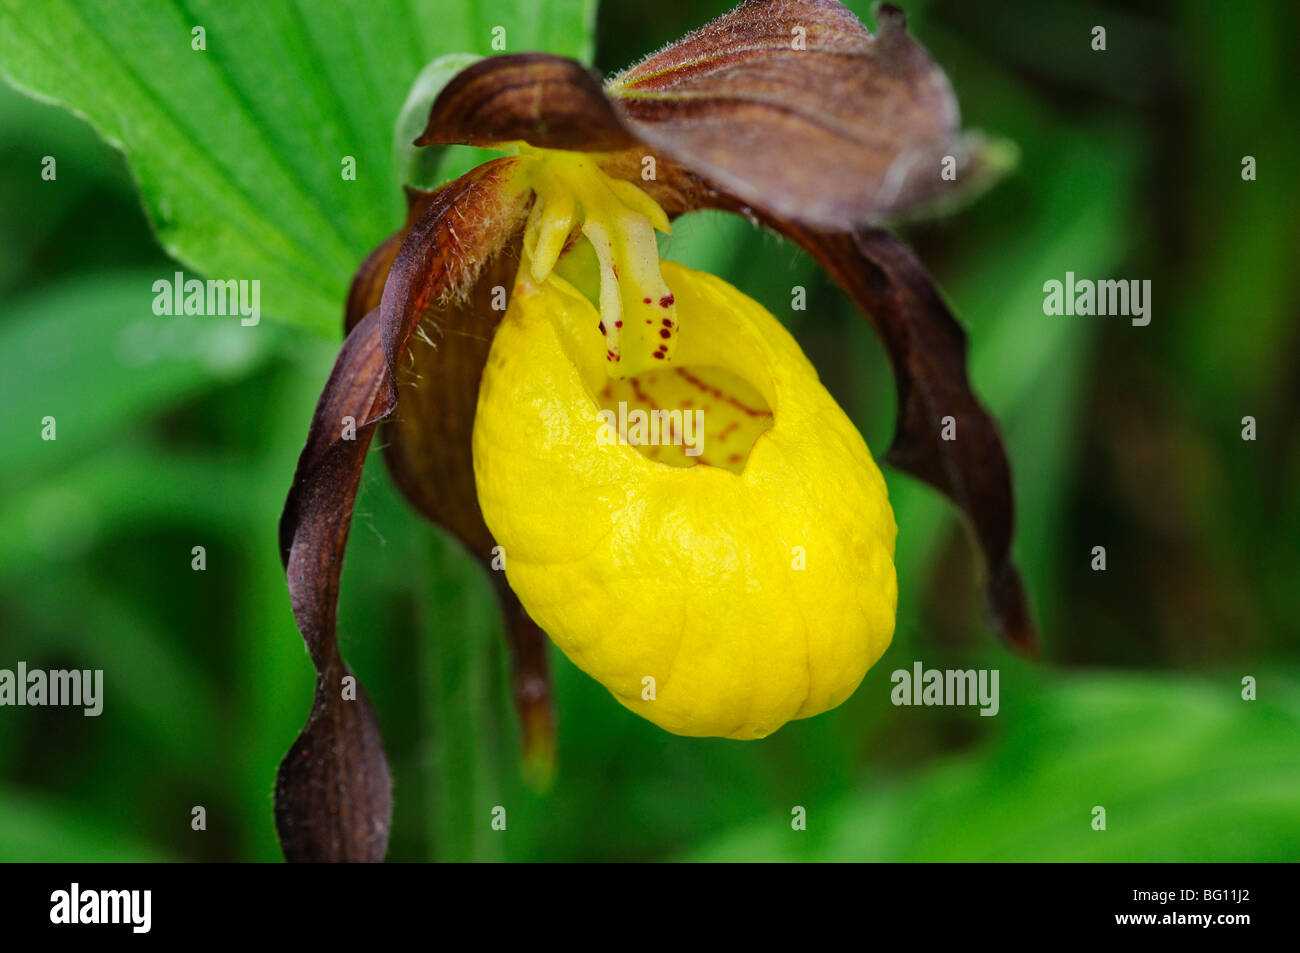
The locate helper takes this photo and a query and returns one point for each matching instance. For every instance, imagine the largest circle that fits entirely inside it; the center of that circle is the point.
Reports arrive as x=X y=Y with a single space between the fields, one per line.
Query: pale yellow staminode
x=619 y=222
x=719 y=594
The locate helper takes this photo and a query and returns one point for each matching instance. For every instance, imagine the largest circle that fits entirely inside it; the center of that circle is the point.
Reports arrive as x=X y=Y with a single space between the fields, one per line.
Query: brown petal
x=867 y=119
x=553 y=103
x=927 y=348
x=334 y=792
x=428 y=448
x=428 y=442
x=367 y=288
x=429 y=453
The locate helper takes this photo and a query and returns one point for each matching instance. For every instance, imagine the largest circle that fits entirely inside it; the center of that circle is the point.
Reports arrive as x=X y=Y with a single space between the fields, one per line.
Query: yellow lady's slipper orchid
x=673 y=496
x=719 y=594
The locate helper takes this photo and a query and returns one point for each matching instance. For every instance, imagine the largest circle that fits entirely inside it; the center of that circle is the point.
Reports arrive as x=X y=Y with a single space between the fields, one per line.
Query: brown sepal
x=733 y=101
x=333 y=793
x=428 y=449
x=870 y=116
x=333 y=797
x=547 y=101
x=927 y=348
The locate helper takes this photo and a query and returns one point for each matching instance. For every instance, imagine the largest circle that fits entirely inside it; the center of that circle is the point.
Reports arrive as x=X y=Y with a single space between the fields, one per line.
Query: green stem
x=460 y=625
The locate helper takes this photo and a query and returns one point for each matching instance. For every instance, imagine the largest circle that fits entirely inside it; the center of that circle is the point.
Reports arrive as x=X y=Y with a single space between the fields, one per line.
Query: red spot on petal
x=667 y=300
x=665 y=333
x=618 y=324
x=668 y=322
x=659 y=354
x=645 y=300
x=615 y=267
x=602 y=327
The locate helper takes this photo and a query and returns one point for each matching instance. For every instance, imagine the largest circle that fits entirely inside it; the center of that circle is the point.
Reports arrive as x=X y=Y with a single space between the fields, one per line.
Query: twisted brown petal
x=428 y=449
x=927 y=348
x=428 y=445
x=334 y=792
x=367 y=288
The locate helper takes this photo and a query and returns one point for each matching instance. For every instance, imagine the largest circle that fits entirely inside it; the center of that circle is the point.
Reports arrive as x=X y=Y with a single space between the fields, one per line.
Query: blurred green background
x=177 y=432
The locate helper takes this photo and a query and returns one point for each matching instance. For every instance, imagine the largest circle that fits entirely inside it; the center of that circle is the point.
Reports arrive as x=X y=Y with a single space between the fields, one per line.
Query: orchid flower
x=506 y=334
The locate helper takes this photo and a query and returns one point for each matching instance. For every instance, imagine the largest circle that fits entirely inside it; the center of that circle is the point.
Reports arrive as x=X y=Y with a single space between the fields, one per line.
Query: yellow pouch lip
x=752 y=355
x=747 y=667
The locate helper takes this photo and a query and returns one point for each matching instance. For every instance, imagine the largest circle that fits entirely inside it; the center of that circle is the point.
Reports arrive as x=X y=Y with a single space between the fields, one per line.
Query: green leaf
x=1186 y=770
x=35 y=828
x=239 y=148
x=415 y=165
x=158 y=690
x=462 y=637
x=92 y=355
x=65 y=513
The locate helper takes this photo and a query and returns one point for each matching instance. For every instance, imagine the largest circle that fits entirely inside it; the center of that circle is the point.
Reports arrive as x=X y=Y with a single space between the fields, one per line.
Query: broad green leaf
x=240 y=147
